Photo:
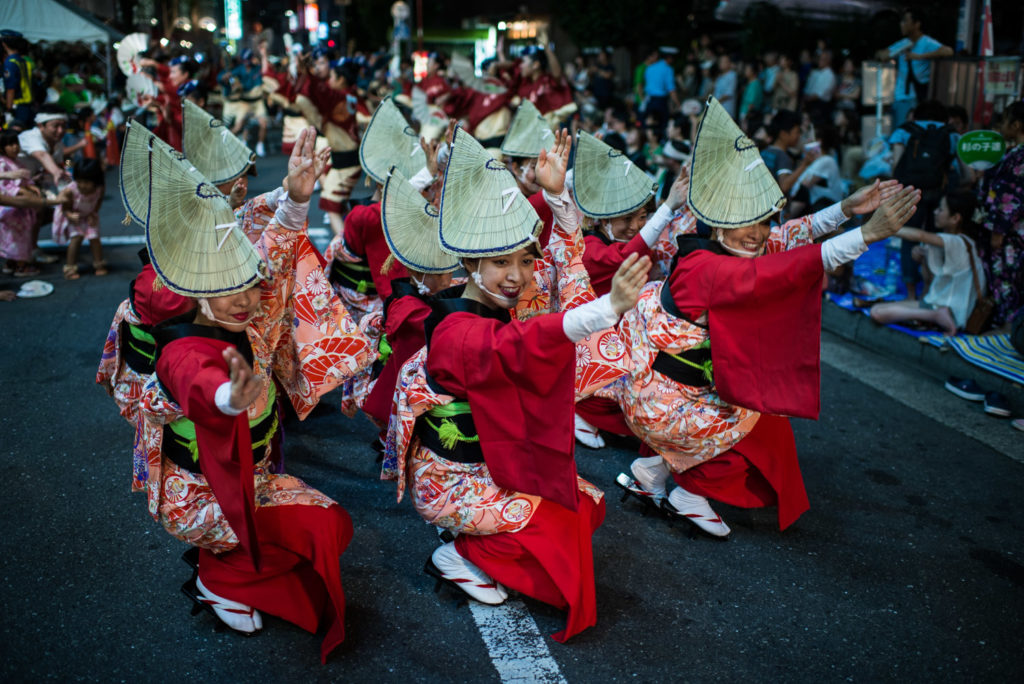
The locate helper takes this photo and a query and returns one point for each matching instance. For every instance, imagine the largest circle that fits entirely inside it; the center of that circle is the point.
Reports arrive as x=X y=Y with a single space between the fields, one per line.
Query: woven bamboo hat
x=483 y=213
x=411 y=227
x=605 y=182
x=133 y=171
x=390 y=141
x=219 y=154
x=528 y=134
x=193 y=238
x=730 y=186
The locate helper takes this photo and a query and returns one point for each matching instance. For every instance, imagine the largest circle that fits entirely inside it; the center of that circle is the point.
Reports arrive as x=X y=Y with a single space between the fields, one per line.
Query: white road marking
x=921 y=393
x=517 y=648
x=111 y=240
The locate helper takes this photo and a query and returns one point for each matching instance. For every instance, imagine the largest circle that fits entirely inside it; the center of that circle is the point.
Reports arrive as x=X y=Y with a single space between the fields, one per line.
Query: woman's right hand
x=891 y=215
x=628 y=281
x=246 y=387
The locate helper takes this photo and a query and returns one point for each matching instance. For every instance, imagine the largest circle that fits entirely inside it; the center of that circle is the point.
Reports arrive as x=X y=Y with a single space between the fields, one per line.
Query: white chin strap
x=507 y=302
x=608 y=231
x=420 y=287
x=739 y=252
x=204 y=306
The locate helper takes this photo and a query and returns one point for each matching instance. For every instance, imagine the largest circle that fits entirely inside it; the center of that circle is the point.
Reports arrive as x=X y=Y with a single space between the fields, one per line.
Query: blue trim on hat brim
x=391 y=245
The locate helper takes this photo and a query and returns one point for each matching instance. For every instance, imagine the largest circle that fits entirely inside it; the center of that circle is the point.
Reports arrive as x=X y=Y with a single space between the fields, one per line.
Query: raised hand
x=238 y=190
x=429 y=148
x=302 y=172
x=628 y=281
x=551 y=166
x=246 y=387
x=891 y=215
x=868 y=198
x=677 y=193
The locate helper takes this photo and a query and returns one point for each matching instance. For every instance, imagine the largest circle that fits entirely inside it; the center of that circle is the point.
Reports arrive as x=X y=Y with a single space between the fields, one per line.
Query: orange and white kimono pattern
x=463 y=497
x=126 y=384
x=685 y=425
x=302 y=336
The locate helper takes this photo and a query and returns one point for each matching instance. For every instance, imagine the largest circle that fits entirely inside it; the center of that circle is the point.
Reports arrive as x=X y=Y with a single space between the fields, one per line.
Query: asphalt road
x=907 y=567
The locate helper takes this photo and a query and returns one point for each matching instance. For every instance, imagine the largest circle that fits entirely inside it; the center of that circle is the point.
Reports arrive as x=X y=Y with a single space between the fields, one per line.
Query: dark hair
x=916 y=15
x=88 y=170
x=829 y=136
x=964 y=202
x=615 y=141
x=537 y=55
x=1014 y=113
x=52 y=108
x=346 y=69
x=783 y=120
x=7 y=137
x=931 y=110
x=958 y=112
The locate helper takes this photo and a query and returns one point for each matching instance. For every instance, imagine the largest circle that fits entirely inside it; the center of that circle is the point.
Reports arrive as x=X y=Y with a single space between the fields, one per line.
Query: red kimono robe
x=518 y=378
x=764 y=320
x=364 y=236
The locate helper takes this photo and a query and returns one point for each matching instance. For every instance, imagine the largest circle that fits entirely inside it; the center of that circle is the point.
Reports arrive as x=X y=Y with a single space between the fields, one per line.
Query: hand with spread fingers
x=246 y=386
x=677 y=192
x=891 y=215
x=304 y=166
x=868 y=198
x=552 y=165
x=628 y=281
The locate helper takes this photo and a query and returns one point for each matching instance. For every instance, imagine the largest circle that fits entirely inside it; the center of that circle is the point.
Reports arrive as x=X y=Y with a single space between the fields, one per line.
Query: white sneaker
x=587 y=434
x=697 y=510
x=237 y=616
x=260 y=150
x=448 y=566
x=651 y=472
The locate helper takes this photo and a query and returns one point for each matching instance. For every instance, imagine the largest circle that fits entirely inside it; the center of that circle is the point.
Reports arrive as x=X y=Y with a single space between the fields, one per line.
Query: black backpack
x=926 y=159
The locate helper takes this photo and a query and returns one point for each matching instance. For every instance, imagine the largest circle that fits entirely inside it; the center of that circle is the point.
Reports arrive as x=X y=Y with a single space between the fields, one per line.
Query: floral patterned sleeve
x=1004 y=200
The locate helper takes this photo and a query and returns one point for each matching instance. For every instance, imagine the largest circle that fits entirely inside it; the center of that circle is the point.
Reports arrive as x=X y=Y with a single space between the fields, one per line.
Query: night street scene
x=561 y=342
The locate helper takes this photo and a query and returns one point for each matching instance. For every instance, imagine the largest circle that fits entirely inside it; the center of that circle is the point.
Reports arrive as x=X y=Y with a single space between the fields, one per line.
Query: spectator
x=1002 y=203
x=821 y=184
x=689 y=81
x=18 y=97
x=848 y=89
x=820 y=88
x=73 y=94
x=660 y=86
x=752 y=104
x=922 y=150
x=784 y=132
x=804 y=67
x=78 y=219
x=770 y=71
x=602 y=79
x=913 y=67
x=725 y=85
x=959 y=121
x=787 y=86
x=42 y=149
x=951 y=261
x=706 y=80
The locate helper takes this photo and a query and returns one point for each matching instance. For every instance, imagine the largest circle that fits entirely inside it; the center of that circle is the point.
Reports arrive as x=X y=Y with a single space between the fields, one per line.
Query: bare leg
x=337 y=223
x=97 y=257
x=72 y=255
x=900 y=312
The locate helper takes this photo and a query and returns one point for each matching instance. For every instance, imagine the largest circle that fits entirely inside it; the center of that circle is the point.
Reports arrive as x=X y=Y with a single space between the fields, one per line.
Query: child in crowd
x=951 y=268
x=15 y=222
x=79 y=219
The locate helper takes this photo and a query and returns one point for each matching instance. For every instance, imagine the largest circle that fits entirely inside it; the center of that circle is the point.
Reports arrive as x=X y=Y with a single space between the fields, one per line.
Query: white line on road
x=516 y=646
x=316 y=234
x=921 y=393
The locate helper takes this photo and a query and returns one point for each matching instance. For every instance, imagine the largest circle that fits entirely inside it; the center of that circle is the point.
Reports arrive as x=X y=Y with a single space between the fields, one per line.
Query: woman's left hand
x=551 y=166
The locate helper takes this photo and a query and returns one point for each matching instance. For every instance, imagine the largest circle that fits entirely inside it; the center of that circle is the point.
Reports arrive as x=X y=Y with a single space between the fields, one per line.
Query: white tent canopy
x=52 y=20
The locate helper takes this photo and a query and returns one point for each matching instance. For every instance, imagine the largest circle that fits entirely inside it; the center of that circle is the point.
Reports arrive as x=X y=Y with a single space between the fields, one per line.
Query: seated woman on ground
x=950 y=264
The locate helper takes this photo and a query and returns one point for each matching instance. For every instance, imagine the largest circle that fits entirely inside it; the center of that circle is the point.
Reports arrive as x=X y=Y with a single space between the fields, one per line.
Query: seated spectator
x=785 y=133
x=821 y=184
x=951 y=262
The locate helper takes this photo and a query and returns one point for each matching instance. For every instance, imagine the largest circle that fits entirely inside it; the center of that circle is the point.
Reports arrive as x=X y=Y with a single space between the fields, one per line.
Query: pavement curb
x=896 y=346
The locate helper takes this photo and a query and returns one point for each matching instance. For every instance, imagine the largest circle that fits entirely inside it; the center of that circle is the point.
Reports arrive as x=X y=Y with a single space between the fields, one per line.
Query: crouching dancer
x=482 y=426
x=267 y=542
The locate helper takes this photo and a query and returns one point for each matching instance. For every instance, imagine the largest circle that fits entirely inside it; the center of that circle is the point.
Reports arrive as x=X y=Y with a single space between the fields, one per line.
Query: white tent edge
x=54 y=20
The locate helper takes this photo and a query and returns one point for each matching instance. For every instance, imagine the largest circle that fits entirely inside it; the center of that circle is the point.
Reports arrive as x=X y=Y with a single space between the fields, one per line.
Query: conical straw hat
x=138 y=143
x=483 y=212
x=219 y=154
x=528 y=134
x=390 y=141
x=411 y=227
x=194 y=241
x=730 y=186
x=605 y=182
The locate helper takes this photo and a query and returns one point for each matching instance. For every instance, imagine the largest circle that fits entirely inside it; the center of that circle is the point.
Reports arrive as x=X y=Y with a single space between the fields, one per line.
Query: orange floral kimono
x=685 y=425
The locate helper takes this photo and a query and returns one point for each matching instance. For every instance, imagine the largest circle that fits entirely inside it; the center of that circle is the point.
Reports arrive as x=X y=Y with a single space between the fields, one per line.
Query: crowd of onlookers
x=802 y=107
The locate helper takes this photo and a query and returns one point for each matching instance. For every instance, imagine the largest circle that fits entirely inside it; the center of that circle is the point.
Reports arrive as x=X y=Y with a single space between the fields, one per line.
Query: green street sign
x=981 y=150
